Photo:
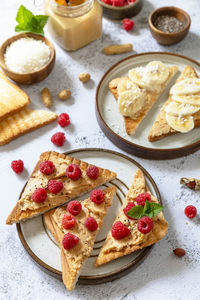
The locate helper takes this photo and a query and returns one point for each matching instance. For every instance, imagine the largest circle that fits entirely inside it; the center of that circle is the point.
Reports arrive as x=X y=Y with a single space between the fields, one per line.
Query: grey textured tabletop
x=162 y=275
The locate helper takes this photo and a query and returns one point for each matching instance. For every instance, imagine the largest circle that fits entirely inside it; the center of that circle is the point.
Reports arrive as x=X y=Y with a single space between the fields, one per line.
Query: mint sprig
x=28 y=22
x=151 y=209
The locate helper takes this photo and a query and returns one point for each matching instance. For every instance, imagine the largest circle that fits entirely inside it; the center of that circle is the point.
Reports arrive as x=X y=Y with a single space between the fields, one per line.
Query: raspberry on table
x=39 y=195
x=58 y=139
x=70 y=241
x=55 y=186
x=47 y=167
x=74 y=207
x=140 y=199
x=97 y=196
x=119 y=230
x=93 y=172
x=91 y=224
x=127 y=24
x=68 y=221
x=17 y=166
x=73 y=172
x=63 y=120
x=190 y=211
x=127 y=208
x=145 y=225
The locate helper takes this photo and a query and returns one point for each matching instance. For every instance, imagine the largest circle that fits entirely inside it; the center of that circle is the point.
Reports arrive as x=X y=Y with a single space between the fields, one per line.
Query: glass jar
x=73 y=27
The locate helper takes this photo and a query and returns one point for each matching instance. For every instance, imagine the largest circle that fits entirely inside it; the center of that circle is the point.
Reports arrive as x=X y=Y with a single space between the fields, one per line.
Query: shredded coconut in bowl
x=26 y=55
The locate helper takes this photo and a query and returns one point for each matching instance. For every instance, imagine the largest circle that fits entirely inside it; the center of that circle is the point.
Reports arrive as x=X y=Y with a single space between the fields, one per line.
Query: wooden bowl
x=121 y=12
x=166 y=38
x=31 y=77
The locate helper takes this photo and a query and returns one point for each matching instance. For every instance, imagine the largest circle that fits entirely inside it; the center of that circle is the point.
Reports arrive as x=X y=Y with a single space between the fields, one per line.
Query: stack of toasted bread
x=15 y=118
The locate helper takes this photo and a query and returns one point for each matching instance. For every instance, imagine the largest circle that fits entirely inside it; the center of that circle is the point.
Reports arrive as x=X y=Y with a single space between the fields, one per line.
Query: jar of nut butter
x=74 y=23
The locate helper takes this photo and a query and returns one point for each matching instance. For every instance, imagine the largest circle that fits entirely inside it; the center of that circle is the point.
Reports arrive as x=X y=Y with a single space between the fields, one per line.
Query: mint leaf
x=27 y=22
x=136 y=212
x=152 y=209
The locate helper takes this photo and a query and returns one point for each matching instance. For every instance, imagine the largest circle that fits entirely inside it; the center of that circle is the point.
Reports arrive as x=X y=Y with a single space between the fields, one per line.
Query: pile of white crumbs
x=26 y=55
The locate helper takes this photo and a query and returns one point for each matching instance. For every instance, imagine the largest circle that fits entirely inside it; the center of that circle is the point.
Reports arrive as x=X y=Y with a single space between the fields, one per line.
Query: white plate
x=112 y=123
x=42 y=247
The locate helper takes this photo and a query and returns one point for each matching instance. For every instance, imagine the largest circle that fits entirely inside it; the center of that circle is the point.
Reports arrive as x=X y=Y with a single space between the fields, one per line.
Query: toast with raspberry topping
x=125 y=238
x=77 y=242
x=72 y=186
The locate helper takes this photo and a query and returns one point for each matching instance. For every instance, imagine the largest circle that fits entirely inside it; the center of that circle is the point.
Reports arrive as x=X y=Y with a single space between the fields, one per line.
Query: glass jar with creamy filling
x=75 y=25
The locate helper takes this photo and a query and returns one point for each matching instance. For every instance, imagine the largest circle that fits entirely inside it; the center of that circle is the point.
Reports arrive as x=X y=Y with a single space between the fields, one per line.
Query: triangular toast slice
x=72 y=260
x=112 y=248
x=161 y=128
x=151 y=97
x=12 y=98
x=26 y=208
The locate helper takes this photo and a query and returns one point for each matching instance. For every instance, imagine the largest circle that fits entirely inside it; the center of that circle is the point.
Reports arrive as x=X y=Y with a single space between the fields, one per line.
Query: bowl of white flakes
x=27 y=58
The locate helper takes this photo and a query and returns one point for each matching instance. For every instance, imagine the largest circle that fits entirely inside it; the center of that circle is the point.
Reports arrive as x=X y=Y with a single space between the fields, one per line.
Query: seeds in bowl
x=26 y=55
x=169 y=24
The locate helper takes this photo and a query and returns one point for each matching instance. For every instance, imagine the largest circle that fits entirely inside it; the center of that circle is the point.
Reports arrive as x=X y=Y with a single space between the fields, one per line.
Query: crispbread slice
x=22 y=122
x=26 y=208
x=72 y=260
x=112 y=248
x=12 y=98
x=161 y=128
x=151 y=97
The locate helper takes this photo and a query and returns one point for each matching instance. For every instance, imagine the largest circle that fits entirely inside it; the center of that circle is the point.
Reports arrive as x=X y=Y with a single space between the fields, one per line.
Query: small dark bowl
x=121 y=12
x=166 y=38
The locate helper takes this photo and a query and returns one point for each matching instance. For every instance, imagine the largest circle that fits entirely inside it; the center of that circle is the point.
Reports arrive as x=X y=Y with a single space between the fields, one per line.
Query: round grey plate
x=42 y=247
x=112 y=123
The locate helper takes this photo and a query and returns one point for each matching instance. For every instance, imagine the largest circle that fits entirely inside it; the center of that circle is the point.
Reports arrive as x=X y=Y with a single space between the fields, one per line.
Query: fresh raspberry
x=58 y=139
x=55 y=186
x=91 y=224
x=73 y=172
x=131 y=1
x=127 y=208
x=109 y=2
x=97 y=196
x=39 y=195
x=145 y=225
x=120 y=231
x=140 y=199
x=118 y=2
x=190 y=211
x=93 y=172
x=17 y=166
x=63 y=120
x=69 y=241
x=68 y=221
x=74 y=207
x=127 y=24
x=46 y=167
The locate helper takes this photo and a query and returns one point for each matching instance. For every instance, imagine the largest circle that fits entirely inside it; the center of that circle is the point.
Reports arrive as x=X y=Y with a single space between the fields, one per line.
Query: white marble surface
x=162 y=275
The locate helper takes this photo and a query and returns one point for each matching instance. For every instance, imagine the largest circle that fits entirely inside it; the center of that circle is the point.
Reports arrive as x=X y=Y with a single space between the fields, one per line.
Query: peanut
x=179 y=252
x=117 y=49
x=64 y=94
x=46 y=97
x=84 y=77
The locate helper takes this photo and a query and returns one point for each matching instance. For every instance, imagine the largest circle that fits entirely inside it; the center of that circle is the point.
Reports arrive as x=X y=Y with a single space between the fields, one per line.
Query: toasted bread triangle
x=113 y=249
x=26 y=208
x=132 y=124
x=161 y=128
x=72 y=260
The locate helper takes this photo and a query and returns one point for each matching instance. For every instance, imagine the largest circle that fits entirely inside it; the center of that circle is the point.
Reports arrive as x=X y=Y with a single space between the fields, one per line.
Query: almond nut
x=179 y=252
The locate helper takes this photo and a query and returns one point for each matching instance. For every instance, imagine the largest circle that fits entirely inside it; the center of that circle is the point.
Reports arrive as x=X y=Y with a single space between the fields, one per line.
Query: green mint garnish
x=27 y=22
x=151 y=209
